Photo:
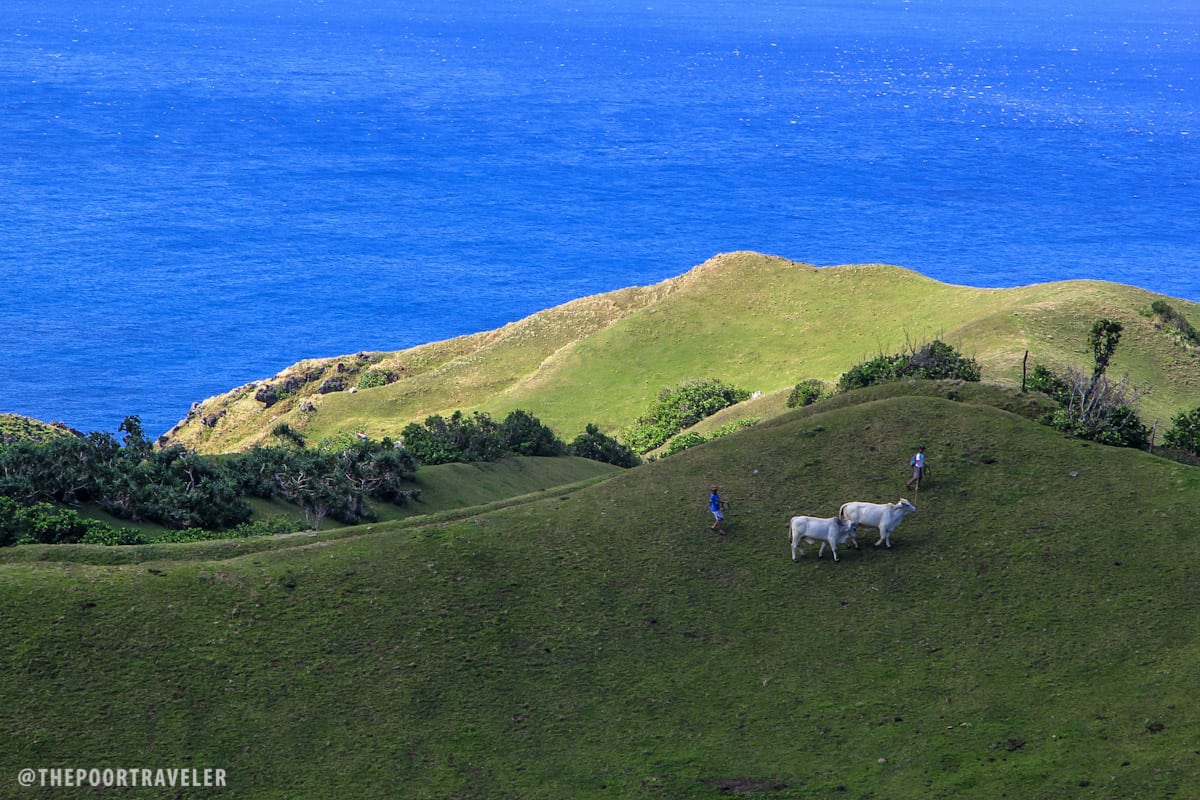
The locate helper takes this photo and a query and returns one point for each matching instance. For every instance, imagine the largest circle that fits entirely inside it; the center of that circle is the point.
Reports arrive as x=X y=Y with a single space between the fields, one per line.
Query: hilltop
x=1029 y=635
x=762 y=323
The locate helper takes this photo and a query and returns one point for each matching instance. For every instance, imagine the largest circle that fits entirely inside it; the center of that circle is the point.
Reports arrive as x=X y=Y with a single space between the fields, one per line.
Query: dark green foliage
x=176 y=488
x=678 y=408
x=1172 y=319
x=1184 y=432
x=479 y=438
x=255 y=470
x=525 y=435
x=1048 y=382
x=375 y=377
x=689 y=439
x=311 y=480
x=335 y=480
x=172 y=486
x=376 y=470
x=289 y=435
x=806 y=393
x=684 y=441
x=43 y=522
x=880 y=369
x=934 y=360
x=460 y=438
x=1103 y=339
x=61 y=470
x=180 y=489
x=597 y=446
x=113 y=537
x=1113 y=424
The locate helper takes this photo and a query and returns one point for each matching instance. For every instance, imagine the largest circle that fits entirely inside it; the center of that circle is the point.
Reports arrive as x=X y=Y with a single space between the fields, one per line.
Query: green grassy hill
x=15 y=426
x=1031 y=633
x=759 y=322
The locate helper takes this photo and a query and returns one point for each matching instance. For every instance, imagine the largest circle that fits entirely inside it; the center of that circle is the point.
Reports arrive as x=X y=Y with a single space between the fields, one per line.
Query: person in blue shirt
x=715 y=505
x=917 y=462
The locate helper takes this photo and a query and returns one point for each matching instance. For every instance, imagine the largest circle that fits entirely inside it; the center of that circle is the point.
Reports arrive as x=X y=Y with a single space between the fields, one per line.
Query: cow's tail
x=842 y=511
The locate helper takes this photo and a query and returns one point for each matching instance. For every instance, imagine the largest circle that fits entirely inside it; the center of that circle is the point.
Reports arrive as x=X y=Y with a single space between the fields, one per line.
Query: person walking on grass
x=917 y=462
x=716 y=505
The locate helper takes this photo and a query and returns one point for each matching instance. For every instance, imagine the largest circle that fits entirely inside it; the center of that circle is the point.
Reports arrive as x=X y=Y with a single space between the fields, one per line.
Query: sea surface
x=196 y=194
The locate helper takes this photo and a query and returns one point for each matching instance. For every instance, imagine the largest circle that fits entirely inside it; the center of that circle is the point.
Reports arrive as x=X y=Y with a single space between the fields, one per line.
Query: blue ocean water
x=195 y=195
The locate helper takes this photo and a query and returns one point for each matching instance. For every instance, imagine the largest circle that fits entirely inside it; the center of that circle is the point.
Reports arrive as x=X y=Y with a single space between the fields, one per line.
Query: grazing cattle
x=832 y=531
x=885 y=516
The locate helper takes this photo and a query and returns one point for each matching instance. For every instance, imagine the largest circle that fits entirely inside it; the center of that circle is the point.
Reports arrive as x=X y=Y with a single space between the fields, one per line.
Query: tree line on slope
x=179 y=489
x=43 y=482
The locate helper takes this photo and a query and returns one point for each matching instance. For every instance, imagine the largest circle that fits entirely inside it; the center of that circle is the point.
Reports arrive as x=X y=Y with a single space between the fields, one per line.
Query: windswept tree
x=374 y=469
x=311 y=480
x=1103 y=339
x=1092 y=406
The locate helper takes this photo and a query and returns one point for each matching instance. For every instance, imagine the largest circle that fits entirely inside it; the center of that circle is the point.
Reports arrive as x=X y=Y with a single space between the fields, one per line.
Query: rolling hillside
x=762 y=323
x=1031 y=633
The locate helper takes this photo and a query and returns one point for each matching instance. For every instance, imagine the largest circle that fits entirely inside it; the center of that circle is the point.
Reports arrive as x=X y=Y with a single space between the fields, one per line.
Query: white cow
x=885 y=516
x=832 y=531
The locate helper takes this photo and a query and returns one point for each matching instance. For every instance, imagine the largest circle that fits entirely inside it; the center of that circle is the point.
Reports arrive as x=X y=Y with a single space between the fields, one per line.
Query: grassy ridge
x=1029 y=635
x=759 y=322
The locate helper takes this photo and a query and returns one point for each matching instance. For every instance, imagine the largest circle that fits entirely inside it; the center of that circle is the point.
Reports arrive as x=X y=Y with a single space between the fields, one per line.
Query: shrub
x=806 y=393
x=689 y=439
x=1170 y=318
x=934 y=360
x=1095 y=408
x=1184 y=432
x=1046 y=381
x=480 y=438
x=678 y=408
x=938 y=360
x=44 y=523
x=113 y=537
x=598 y=446
x=460 y=438
x=525 y=435
x=880 y=369
x=373 y=378
x=684 y=441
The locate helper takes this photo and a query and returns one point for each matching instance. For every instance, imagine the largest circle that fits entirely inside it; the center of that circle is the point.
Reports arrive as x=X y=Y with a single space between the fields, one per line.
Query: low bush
x=934 y=360
x=689 y=439
x=1184 y=432
x=46 y=523
x=598 y=446
x=678 y=408
x=373 y=378
x=1172 y=321
x=806 y=393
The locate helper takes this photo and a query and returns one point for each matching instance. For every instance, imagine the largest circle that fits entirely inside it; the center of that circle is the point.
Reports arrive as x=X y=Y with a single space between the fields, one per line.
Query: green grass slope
x=14 y=427
x=449 y=487
x=1031 y=634
x=759 y=322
